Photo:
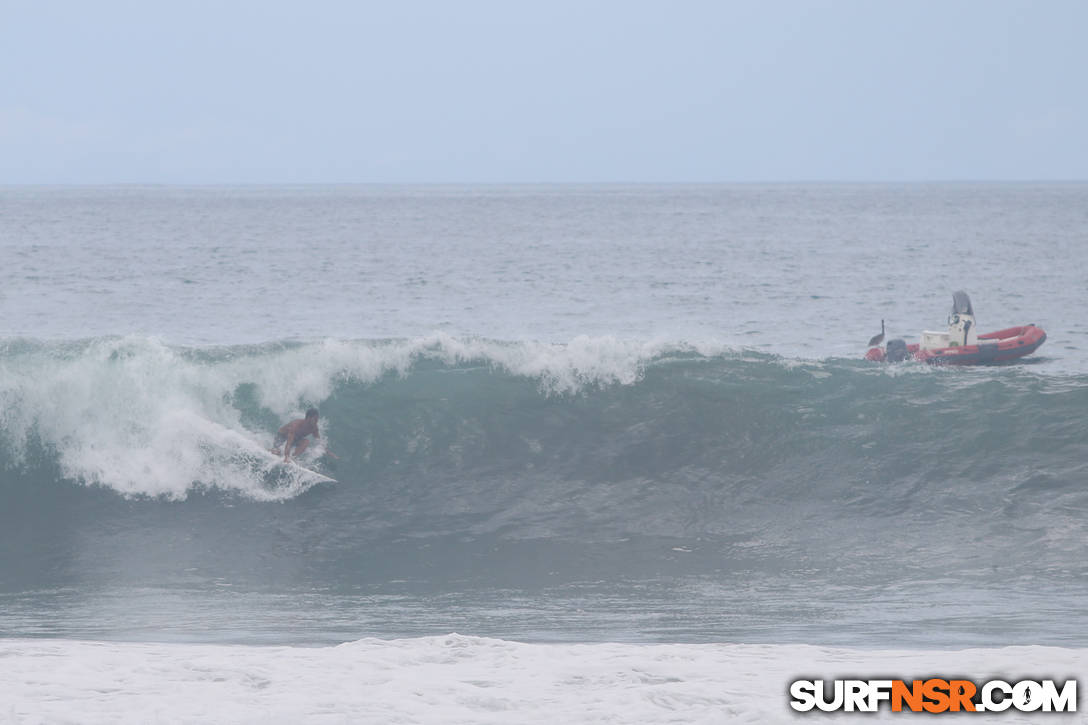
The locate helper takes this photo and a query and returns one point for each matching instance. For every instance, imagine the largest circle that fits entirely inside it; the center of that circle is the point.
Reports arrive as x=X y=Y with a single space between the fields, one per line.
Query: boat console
x=961 y=327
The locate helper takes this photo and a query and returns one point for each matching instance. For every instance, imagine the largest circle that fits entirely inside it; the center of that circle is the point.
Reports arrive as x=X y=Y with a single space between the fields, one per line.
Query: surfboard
x=293 y=464
x=273 y=472
x=292 y=469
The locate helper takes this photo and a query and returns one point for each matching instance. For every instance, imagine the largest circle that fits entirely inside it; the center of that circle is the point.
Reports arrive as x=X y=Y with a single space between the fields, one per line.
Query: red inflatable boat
x=961 y=345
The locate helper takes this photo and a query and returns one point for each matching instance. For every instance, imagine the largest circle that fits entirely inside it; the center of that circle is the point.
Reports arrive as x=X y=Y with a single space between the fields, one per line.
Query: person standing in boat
x=961 y=323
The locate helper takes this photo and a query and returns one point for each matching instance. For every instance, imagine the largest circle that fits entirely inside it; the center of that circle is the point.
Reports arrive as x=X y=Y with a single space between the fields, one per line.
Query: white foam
x=455 y=679
x=137 y=416
x=145 y=418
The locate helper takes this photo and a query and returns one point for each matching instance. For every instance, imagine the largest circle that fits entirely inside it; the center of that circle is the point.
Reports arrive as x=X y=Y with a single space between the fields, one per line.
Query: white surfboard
x=274 y=471
x=309 y=471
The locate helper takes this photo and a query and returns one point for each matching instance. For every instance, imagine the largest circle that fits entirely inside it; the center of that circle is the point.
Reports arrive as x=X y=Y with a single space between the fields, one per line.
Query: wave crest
x=145 y=418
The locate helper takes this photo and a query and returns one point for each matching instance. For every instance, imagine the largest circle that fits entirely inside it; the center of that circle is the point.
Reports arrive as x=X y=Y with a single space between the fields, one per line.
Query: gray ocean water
x=585 y=413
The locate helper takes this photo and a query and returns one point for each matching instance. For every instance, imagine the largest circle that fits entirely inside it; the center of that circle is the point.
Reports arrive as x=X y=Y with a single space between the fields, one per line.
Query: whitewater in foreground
x=457 y=679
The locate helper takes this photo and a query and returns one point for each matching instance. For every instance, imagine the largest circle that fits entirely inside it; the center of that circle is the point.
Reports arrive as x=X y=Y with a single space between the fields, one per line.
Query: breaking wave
x=747 y=457
x=148 y=419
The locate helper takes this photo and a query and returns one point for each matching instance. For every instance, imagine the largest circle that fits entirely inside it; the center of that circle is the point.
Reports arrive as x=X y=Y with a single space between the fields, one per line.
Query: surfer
x=293 y=435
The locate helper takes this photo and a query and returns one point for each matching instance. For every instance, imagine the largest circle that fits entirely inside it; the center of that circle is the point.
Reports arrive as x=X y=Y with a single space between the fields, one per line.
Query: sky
x=482 y=91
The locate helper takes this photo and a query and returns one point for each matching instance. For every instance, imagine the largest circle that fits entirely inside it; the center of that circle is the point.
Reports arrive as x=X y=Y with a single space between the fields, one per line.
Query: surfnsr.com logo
x=934 y=694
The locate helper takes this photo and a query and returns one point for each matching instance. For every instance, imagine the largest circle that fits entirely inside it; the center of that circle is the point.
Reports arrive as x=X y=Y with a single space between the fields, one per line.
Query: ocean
x=583 y=432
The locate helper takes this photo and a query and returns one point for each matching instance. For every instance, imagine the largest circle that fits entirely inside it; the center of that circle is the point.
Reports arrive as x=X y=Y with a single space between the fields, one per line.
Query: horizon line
x=753 y=182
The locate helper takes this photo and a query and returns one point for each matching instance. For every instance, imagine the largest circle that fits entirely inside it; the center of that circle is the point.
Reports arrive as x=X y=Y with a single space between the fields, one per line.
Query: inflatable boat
x=961 y=344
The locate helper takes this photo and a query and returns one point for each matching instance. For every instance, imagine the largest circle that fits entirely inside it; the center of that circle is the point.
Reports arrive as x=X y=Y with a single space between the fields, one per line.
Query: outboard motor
x=961 y=322
x=896 y=351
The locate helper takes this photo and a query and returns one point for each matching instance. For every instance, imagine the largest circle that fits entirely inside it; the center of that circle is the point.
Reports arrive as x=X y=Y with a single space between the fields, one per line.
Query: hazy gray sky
x=555 y=90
